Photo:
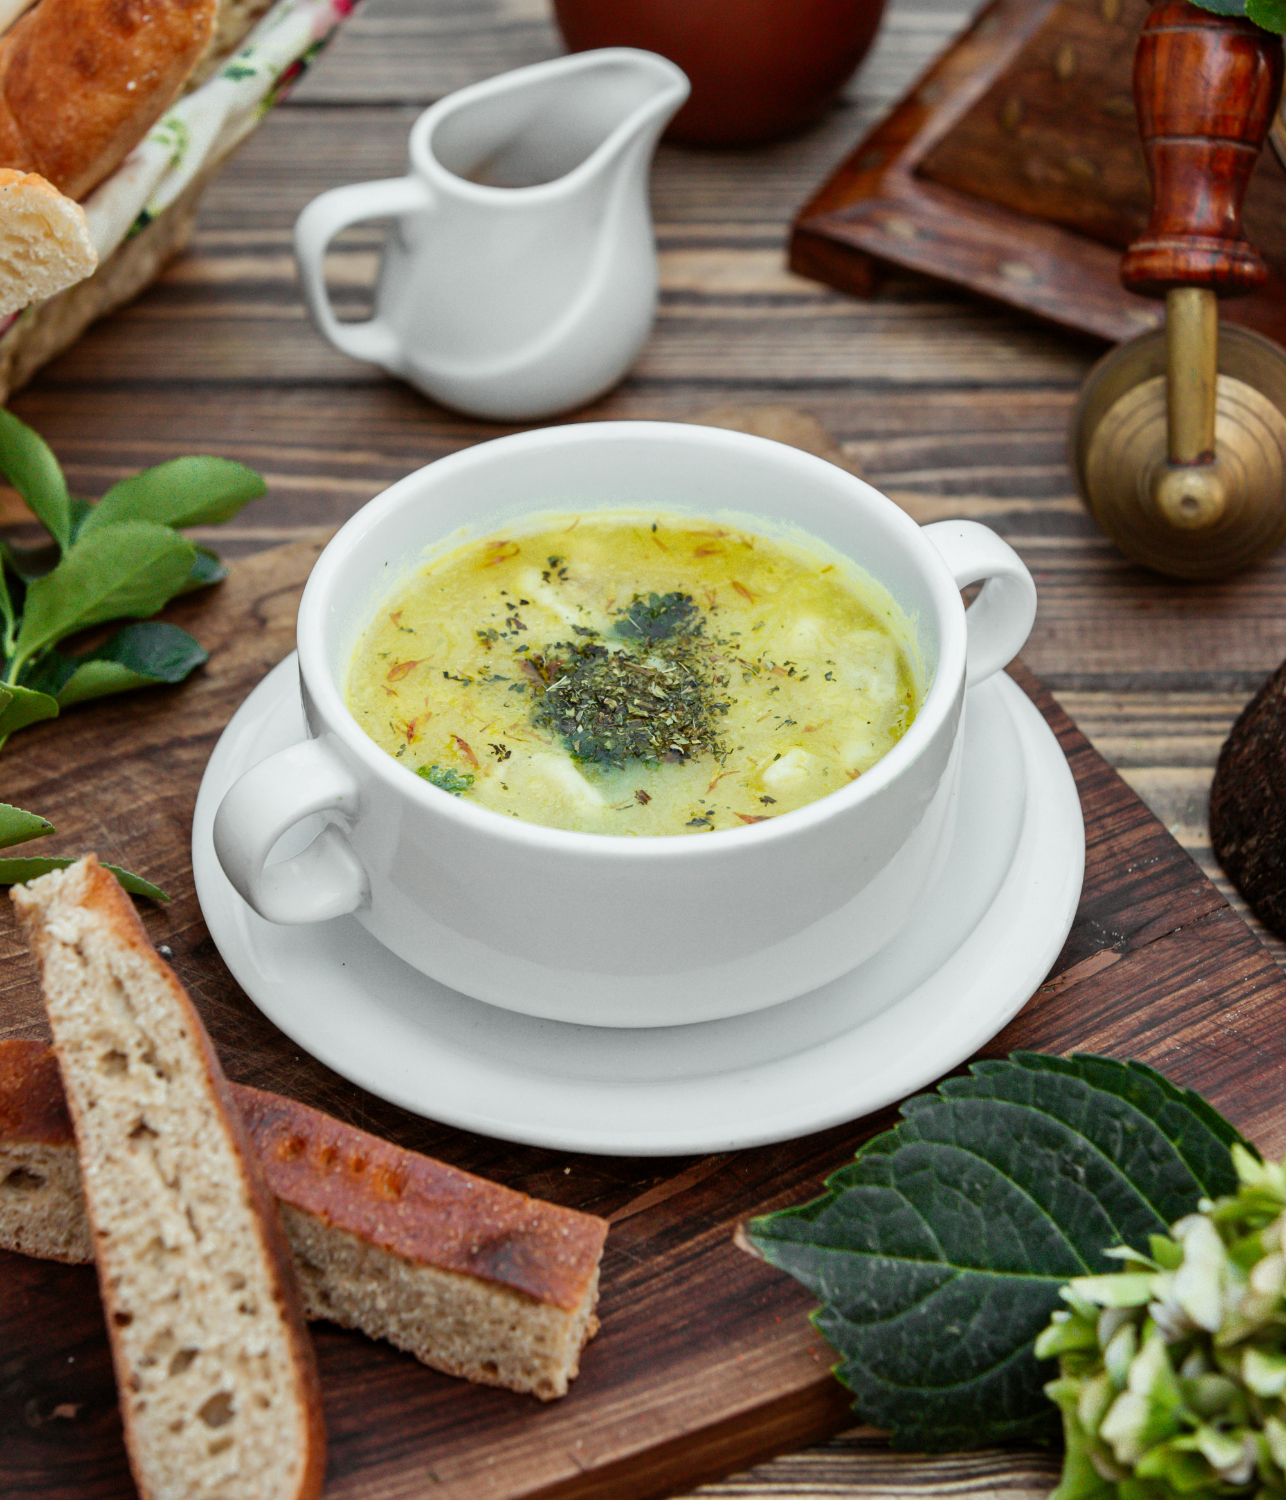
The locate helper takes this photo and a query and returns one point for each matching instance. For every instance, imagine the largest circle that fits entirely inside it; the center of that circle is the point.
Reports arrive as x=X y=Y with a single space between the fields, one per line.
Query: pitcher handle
x=319 y=223
x=327 y=879
x=1001 y=617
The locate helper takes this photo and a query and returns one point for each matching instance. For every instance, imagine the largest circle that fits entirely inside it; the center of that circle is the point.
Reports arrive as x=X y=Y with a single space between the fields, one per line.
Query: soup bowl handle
x=327 y=879
x=1001 y=617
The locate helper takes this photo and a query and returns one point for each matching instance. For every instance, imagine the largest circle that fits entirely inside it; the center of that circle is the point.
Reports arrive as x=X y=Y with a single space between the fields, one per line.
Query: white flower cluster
x=1173 y=1370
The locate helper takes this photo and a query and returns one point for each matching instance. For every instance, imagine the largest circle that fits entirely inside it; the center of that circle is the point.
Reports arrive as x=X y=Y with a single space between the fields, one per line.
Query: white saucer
x=974 y=951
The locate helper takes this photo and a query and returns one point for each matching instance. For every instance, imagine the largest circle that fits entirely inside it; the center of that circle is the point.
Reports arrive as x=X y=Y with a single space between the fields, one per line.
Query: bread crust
x=33 y=1107
x=418 y=1208
x=83 y=81
x=41 y=908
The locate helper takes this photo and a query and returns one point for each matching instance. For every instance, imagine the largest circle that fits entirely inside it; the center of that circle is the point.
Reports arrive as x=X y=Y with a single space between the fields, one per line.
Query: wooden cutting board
x=706 y=1361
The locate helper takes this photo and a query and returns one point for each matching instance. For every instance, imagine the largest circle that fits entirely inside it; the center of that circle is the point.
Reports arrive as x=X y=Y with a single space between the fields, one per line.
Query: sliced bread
x=470 y=1277
x=217 y=1382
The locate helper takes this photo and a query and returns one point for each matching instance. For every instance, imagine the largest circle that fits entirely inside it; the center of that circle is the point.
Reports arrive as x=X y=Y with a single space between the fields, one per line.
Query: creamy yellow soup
x=627 y=674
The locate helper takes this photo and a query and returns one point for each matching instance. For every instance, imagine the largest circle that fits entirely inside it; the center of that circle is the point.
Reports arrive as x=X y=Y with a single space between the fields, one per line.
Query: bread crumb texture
x=205 y=1363
x=458 y=1324
x=44 y=241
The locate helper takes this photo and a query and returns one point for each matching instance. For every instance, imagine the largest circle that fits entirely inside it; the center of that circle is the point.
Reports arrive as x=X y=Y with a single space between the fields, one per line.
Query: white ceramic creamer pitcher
x=520 y=277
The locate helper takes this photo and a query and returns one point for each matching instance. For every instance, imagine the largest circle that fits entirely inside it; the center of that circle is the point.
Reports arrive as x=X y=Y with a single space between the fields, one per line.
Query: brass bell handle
x=1205 y=89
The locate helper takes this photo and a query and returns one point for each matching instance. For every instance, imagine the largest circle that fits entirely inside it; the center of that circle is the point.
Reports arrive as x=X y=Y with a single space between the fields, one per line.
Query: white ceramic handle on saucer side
x=327 y=879
x=1001 y=617
x=318 y=225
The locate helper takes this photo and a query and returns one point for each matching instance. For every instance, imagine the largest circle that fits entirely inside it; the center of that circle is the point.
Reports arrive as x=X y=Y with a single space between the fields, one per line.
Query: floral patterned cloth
x=210 y=121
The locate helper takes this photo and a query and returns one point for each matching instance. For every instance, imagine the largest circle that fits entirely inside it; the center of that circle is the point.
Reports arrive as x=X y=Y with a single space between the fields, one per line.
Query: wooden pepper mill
x=1179 y=437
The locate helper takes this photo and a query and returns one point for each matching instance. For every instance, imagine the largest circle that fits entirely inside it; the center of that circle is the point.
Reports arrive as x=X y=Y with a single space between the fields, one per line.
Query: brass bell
x=1179 y=436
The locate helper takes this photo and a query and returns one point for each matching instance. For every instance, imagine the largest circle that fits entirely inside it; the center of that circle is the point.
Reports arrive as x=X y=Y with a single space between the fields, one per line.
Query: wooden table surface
x=950 y=406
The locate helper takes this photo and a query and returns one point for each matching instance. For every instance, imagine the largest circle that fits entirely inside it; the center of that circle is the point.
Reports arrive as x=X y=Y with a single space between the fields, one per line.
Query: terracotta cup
x=760 y=69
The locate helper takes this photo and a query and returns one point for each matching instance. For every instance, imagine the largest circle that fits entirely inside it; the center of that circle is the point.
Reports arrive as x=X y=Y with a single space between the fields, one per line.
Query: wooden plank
x=1153 y=962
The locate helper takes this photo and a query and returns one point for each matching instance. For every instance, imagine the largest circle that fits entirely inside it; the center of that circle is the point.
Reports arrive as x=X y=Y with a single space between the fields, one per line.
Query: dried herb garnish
x=652 y=700
x=659 y=617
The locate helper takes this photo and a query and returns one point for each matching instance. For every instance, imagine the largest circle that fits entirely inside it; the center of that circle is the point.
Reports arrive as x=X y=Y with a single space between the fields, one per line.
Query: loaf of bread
x=214 y=1367
x=44 y=241
x=82 y=81
x=472 y=1278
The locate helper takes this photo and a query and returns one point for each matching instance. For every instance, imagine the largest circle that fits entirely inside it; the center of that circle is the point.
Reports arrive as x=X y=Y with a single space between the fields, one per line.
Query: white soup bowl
x=607 y=930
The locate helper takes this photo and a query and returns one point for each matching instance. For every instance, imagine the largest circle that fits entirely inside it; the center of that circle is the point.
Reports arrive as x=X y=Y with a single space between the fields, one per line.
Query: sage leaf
x=18 y=871
x=22 y=706
x=938 y=1254
x=32 y=469
x=17 y=826
x=196 y=491
x=144 y=655
x=128 y=570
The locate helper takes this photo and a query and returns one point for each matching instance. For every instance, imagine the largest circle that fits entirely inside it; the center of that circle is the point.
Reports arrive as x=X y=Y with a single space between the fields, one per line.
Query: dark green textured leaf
x=17 y=826
x=1270 y=14
x=123 y=571
x=142 y=655
x=197 y=491
x=939 y=1253
x=1223 y=7
x=22 y=706
x=28 y=464
x=16 y=871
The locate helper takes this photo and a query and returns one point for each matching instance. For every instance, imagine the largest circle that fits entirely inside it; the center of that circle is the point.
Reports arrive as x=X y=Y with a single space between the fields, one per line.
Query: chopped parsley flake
x=447 y=780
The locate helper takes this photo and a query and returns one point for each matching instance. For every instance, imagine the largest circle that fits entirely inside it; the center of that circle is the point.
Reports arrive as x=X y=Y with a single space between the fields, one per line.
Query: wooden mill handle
x=1205 y=88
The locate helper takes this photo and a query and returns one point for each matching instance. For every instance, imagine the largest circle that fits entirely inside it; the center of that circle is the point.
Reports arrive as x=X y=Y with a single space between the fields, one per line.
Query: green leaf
x=16 y=871
x=17 y=826
x=136 y=656
x=7 y=617
x=207 y=569
x=123 y=571
x=197 y=491
x=1223 y=7
x=938 y=1255
x=30 y=562
x=1270 y=14
x=31 y=468
x=23 y=706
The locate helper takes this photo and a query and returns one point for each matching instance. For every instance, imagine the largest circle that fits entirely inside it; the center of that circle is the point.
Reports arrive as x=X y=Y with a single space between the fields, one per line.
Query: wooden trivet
x=706 y=1362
